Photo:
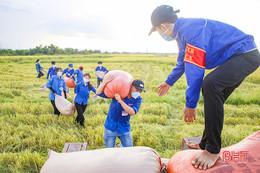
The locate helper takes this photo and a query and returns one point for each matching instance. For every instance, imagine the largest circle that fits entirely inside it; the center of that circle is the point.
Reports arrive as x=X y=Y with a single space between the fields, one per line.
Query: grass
x=28 y=128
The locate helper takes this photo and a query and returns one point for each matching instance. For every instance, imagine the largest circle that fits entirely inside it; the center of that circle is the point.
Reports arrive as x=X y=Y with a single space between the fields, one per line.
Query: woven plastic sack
x=109 y=160
x=69 y=82
x=250 y=146
x=121 y=84
x=64 y=106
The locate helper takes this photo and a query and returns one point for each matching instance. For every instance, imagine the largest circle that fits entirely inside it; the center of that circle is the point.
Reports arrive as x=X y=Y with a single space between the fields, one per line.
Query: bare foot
x=193 y=145
x=205 y=160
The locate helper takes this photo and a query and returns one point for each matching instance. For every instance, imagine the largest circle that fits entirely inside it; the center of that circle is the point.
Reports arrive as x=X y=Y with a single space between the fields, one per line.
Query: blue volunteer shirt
x=101 y=69
x=38 y=67
x=204 y=44
x=68 y=73
x=51 y=72
x=80 y=75
x=117 y=118
x=58 y=84
x=82 y=92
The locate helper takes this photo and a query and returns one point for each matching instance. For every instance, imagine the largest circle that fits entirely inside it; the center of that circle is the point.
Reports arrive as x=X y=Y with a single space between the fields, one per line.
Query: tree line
x=46 y=50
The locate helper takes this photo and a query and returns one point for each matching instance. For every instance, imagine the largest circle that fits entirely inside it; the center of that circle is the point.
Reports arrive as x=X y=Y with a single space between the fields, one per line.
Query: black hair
x=53 y=62
x=58 y=69
x=37 y=60
x=99 y=62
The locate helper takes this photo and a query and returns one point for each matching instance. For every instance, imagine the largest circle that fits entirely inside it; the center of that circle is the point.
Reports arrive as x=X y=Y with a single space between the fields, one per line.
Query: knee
x=208 y=82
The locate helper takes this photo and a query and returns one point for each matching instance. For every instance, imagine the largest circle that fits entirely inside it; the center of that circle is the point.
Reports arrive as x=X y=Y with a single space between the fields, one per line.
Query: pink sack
x=121 y=84
x=64 y=106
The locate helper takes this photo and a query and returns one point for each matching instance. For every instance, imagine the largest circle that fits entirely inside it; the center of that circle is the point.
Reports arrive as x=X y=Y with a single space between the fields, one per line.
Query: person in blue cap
x=69 y=73
x=206 y=44
x=117 y=123
x=52 y=70
x=101 y=68
x=79 y=73
x=81 y=97
x=56 y=84
x=39 y=69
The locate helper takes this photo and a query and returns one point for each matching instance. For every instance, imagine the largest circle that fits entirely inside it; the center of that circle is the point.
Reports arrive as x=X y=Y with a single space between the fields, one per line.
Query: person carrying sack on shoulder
x=117 y=123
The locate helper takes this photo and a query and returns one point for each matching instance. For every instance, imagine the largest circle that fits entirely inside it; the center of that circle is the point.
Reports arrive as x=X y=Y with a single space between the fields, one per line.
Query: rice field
x=28 y=127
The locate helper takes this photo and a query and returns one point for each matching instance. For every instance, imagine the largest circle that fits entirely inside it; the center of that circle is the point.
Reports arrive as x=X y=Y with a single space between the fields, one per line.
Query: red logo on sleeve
x=195 y=55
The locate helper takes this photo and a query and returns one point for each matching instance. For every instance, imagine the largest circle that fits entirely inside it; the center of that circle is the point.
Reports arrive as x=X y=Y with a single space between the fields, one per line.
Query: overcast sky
x=110 y=25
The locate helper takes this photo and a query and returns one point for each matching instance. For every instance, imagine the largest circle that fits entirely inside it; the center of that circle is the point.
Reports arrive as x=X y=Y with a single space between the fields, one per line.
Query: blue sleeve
x=102 y=95
x=77 y=89
x=49 y=83
x=177 y=72
x=64 y=85
x=136 y=106
x=194 y=76
x=105 y=70
x=64 y=71
x=96 y=69
x=48 y=73
x=93 y=89
x=76 y=72
x=199 y=38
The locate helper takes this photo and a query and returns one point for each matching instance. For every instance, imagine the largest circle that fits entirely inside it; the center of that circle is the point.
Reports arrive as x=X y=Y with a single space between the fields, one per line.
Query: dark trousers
x=40 y=74
x=56 y=111
x=216 y=88
x=98 y=82
x=80 y=110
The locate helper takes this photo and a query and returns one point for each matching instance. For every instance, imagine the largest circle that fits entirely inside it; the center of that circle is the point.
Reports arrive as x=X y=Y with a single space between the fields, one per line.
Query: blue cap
x=162 y=14
x=70 y=65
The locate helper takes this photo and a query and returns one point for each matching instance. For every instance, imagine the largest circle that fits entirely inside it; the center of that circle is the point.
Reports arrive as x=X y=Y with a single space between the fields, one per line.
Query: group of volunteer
x=57 y=84
x=117 y=123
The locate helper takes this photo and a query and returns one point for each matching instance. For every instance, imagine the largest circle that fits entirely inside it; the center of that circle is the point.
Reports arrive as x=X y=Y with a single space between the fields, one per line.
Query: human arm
x=173 y=77
x=64 y=71
x=49 y=85
x=65 y=94
x=93 y=89
x=48 y=73
x=106 y=71
x=52 y=90
x=103 y=84
x=72 y=75
x=127 y=108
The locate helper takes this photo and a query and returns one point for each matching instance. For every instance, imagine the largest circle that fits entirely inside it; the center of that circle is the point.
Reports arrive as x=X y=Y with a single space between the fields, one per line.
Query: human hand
x=118 y=98
x=109 y=78
x=163 y=89
x=189 y=114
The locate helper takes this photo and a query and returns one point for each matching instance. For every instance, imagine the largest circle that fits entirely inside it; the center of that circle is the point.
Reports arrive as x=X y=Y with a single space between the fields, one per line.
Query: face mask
x=168 y=37
x=59 y=73
x=70 y=68
x=135 y=95
x=53 y=65
x=86 y=80
x=99 y=65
